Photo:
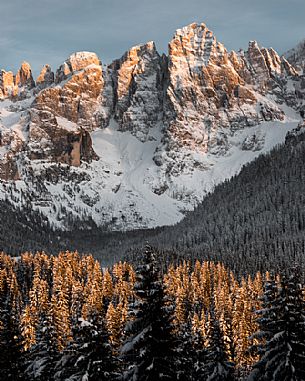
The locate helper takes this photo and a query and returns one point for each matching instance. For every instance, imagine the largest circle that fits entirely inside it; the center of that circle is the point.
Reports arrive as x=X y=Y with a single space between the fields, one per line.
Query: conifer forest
x=66 y=318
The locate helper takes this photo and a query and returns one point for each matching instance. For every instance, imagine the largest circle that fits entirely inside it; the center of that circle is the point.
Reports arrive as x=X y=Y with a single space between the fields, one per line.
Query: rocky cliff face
x=211 y=93
x=7 y=85
x=210 y=88
x=53 y=139
x=53 y=125
x=77 y=96
x=138 y=83
x=24 y=77
x=45 y=78
x=296 y=59
x=147 y=129
x=16 y=86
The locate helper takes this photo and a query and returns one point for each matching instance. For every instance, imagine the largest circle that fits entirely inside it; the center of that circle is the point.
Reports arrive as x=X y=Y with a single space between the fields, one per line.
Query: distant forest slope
x=24 y=230
x=254 y=221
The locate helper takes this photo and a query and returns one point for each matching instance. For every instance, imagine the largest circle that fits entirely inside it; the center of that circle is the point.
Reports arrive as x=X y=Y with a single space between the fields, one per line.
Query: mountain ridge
x=138 y=142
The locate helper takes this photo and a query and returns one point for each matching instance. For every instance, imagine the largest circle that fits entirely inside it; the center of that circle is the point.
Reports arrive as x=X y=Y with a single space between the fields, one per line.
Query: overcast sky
x=48 y=31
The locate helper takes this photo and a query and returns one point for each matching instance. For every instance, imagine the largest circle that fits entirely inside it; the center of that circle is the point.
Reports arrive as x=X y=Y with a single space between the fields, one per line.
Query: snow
x=13 y=124
x=129 y=345
x=130 y=164
x=83 y=56
x=66 y=124
x=124 y=177
x=123 y=185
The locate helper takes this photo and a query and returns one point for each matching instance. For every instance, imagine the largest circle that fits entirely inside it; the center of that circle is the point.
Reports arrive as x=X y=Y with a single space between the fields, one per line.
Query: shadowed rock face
x=296 y=57
x=45 y=78
x=12 y=145
x=49 y=140
x=138 y=80
x=8 y=163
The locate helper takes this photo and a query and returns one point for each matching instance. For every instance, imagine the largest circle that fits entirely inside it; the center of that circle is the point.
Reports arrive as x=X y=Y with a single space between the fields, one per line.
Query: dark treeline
x=65 y=318
x=25 y=230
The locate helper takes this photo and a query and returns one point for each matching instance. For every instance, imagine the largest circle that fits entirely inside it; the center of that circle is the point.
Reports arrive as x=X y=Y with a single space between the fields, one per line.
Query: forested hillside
x=255 y=220
x=25 y=230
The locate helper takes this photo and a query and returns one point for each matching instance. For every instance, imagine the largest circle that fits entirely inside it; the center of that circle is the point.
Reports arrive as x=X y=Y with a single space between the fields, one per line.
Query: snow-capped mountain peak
x=139 y=142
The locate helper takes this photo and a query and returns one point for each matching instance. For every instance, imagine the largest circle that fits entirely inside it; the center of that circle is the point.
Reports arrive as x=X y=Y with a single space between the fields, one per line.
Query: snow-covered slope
x=126 y=189
x=138 y=143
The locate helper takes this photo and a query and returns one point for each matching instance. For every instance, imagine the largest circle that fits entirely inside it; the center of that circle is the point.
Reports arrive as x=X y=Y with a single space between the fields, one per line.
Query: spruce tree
x=11 y=358
x=216 y=366
x=89 y=357
x=42 y=356
x=148 y=351
x=282 y=329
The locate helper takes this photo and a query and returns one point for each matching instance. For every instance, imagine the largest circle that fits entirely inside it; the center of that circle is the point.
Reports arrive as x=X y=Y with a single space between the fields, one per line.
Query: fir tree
x=42 y=356
x=148 y=351
x=11 y=361
x=216 y=366
x=89 y=357
x=282 y=327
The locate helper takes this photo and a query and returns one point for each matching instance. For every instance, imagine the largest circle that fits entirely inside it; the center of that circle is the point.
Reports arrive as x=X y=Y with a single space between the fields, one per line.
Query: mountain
x=253 y=222
x=139 y=142
x=296 y=56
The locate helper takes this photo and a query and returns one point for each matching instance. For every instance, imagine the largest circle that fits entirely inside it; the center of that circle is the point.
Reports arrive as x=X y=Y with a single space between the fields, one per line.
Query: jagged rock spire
x=46 y=77
x=24 y=76
x=138 y=89
x=76 y=62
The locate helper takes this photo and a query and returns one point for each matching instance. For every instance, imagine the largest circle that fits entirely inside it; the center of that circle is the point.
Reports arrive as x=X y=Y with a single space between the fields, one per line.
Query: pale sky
x=48 y=31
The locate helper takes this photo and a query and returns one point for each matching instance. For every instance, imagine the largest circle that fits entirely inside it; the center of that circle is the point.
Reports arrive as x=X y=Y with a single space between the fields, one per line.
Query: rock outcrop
x=76 y=62
x=211 y=92
x=78 y=98
x=16 y=86
x=45 y=78
x=138 y=85
x=51 y=139
x=10 y=145
x=24 y=77
x=7 y=84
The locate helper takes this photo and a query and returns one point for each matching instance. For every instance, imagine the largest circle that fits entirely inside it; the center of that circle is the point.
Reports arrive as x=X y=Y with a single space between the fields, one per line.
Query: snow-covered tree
x=40 y=359
x=89 y=357
x=148 y=351
x=11 y=362
x=282 y=330
x=216 y=366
